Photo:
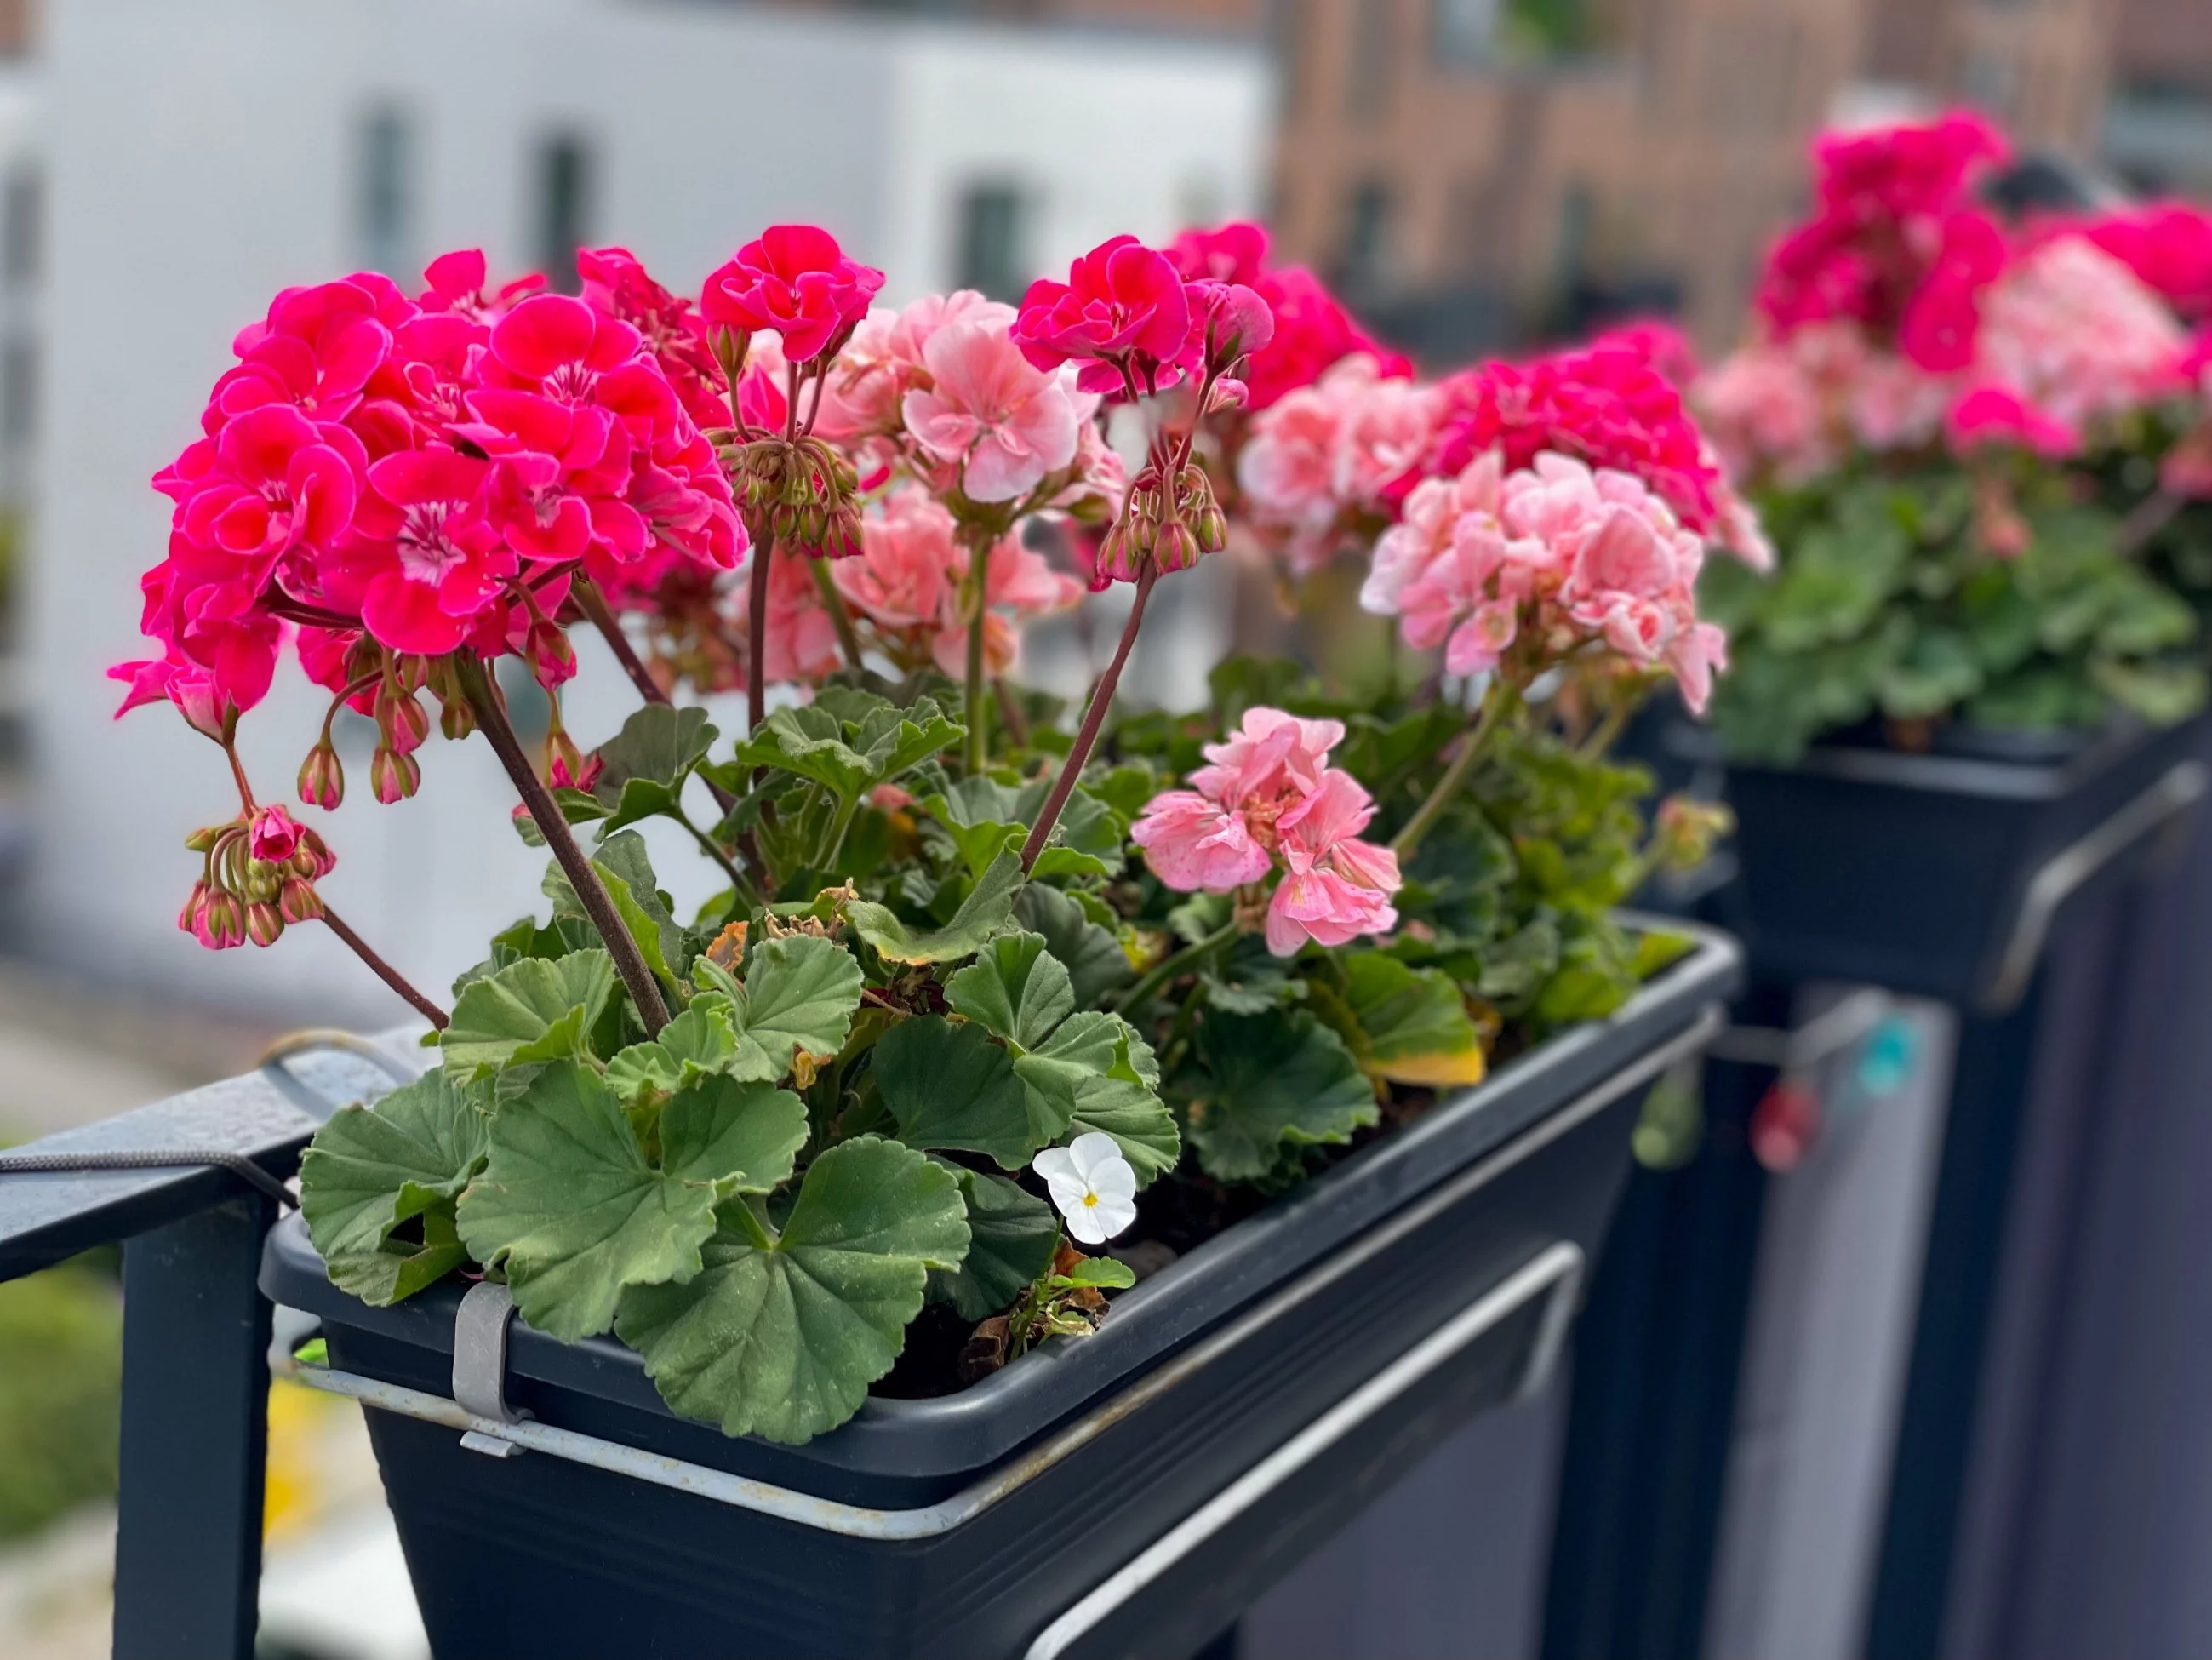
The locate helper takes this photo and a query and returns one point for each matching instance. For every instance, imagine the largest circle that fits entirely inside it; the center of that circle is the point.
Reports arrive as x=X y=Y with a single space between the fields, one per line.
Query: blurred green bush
x=61 y=1370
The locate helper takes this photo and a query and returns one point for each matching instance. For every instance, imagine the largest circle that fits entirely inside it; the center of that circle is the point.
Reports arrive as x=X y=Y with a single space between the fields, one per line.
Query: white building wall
x=204 y=156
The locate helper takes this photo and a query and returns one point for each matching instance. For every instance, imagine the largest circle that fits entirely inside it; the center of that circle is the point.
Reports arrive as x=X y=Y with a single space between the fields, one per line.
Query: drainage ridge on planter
x=907 y=1454
x=1918 y=872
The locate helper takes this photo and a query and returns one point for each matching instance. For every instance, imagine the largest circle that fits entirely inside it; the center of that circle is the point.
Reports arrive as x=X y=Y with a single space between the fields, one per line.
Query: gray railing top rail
x=266 y=1116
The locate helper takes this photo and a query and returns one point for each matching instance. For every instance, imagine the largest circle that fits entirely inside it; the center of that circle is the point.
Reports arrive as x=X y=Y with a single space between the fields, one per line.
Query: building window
x=384 y=161
x=562 y=208
x=993 y=227
x=22 y=227
x=18 y=392
x=1462 y=31
x=1368 y=88
x=1364 y=263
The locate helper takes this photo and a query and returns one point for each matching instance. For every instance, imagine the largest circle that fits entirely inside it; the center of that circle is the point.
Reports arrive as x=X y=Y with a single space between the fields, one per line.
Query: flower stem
x=715 y=851
x=756 y=633
x=593 y=604
x=841 y=616
x=384 y=970
x=979 y=736
x=1169 y=967
x=598 y=906
x=1470 y=750
x=1086 y=737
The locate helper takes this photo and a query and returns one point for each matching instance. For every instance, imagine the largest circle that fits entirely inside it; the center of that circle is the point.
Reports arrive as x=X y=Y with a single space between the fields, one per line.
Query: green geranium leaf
x=646 y=763
x=398 y=1269
x=572 y=1206
x=950 y=1087
x=531 y=1009
x=1270 y=1082
x=781 y=1338
x=798 y=998
x=1012 y=1236
x=698 y=1043
x=809 y=741
x=1093 y=958
x=1103 y=1272
x=1414 y=1022
x=1137 y=1119
x=372 y=1168
x=896 y=741
x=1015 y=988
x=981 y=913
x=1086 y=838
x=737 y=1138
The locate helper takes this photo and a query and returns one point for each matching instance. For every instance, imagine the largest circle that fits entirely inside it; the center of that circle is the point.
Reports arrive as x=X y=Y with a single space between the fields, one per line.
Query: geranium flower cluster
x=1514 y=571
x=1266 y=804
x=1902 y=312
x=399 y=478
x=259 y=873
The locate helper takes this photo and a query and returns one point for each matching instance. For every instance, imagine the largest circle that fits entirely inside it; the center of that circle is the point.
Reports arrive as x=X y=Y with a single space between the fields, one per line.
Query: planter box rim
x=2027 y=778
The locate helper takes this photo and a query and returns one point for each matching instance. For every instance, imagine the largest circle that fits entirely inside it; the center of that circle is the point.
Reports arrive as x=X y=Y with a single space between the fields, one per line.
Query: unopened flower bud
x=265 y=923
x=1175 y=548
x=188 y=919
x=322 y=778
x=1145 y=532
x=455 y=718
x=314 y=858
x=221 y=926
x=552 y=658
x=813 y=523
x=403 y=721
x=205 y=837
x=562 y=755
x=1685 y=829
x=783 y=521
x=393 y=776
x=1210 y=527
x=298 y=902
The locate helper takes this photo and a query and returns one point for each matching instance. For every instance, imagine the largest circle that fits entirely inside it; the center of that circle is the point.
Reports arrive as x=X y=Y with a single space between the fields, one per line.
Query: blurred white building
x=200 y=157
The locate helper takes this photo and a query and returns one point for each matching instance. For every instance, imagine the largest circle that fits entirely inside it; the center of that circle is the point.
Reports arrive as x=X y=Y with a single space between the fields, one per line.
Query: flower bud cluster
x=259 y=876
x=1170 y=527
x=802 y=493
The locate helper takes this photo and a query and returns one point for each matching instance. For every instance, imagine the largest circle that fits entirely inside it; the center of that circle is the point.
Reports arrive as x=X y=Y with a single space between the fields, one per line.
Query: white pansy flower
x=1093 y=1184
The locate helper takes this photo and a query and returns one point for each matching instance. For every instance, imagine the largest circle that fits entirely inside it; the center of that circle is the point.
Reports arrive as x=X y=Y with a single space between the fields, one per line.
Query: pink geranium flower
x=1269 y=801
x=998 y=423
x=796 y=280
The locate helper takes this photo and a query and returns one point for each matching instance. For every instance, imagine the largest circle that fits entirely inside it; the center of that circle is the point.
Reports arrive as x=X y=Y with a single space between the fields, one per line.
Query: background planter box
x=1920 y=872
x=1229 y=1416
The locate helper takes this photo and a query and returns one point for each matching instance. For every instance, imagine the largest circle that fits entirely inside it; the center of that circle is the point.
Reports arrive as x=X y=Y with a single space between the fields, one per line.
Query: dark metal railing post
x=195 y=1431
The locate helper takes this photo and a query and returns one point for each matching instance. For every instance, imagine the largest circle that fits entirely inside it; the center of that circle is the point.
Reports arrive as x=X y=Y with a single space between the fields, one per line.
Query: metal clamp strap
x=480 y=1364
x=2055 y=880
x=1556 y=1273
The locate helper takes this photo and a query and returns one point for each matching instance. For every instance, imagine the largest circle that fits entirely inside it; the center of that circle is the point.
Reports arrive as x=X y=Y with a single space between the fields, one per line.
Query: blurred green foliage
x=61 y=1370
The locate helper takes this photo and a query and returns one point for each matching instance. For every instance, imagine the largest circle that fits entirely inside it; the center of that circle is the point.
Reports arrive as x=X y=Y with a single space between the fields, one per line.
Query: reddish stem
x=384 y=970
x=598 y=905
x=1086 y=738
x=756 y=633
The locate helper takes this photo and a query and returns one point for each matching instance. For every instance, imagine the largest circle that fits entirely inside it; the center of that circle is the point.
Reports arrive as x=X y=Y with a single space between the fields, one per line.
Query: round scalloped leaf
x=950 y=1087
x=532 y=1009
x=571 y=1206
x=781 y=1338
x=1271 y=1081
x=1012 y=1237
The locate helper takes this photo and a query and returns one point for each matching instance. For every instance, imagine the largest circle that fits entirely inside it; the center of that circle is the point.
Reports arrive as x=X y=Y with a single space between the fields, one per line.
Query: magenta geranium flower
x=795 y=281
x=1123 y=306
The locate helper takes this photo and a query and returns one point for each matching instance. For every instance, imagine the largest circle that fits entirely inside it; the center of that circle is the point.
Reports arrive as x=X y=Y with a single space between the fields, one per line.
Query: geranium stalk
x=978 y=575
x=840 y=614
x=1094 y=717
x=384 y=970
x=756 y=633
x=593 y=604
x=1501 y=698
x=591 y=892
